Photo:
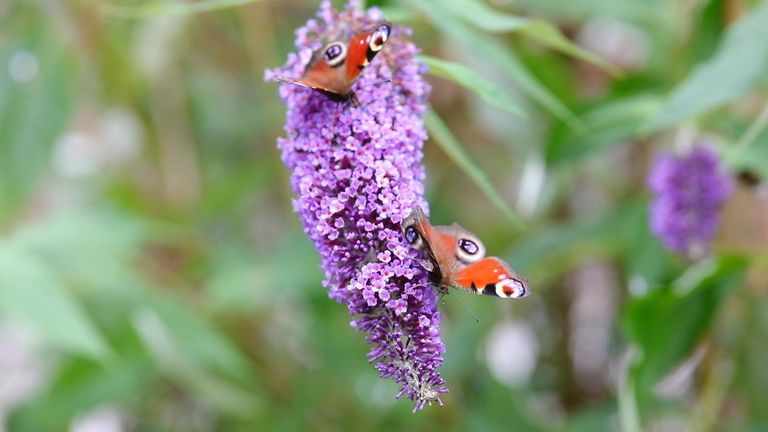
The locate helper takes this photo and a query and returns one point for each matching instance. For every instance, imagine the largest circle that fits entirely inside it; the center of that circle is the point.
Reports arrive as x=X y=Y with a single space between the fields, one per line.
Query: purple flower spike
x=358 y=173
x=688 y=193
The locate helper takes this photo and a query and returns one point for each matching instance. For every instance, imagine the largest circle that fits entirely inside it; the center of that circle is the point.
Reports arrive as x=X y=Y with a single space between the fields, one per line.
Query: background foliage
x=154 y=278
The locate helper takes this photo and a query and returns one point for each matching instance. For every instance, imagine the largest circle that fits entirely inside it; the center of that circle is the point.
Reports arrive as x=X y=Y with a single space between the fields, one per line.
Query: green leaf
x=82 y=385
x=474 y=81
x=556 y=249
x=199 y=341
x=747 y=157
x=496 y=54
x=647 y=262
x=30 y=293
x=109 y=239
x=668 y=323
x=739 y=63
x=448 y=142
x=166 y=348
x=627 y=397
x=34 y=110
x=610 y=123
x=240 y=284
x=480 y=15
x=648 y=11
x=170 y=7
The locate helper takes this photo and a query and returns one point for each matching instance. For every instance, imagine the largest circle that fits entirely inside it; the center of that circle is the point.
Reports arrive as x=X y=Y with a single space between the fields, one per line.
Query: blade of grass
x=448 y=142
x=737 y=66
x=499 y=55
x=31 y=293
x=473 y=81
x=486 y=18
x=628 y=412
x=171 y=8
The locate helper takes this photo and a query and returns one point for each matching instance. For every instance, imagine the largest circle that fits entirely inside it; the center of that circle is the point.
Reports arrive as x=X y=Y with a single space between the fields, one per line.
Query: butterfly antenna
x=477 y=321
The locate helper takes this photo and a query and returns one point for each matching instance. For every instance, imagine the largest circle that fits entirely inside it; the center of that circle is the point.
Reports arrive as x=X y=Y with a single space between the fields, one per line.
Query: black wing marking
x=418 y=220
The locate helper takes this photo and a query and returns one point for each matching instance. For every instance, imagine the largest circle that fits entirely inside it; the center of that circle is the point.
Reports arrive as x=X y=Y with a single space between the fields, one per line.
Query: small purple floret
x=688 y=192
x=358 y=172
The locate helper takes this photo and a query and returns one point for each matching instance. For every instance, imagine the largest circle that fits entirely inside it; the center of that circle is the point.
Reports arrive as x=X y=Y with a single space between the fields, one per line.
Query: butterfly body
x=456 y=259
x=333 y=69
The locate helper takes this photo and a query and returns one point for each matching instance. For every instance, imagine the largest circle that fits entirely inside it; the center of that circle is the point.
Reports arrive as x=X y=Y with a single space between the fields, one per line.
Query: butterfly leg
x=354 y=100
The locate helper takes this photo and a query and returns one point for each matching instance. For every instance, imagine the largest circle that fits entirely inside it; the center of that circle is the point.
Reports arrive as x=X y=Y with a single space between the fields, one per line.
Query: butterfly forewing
x=418 y=233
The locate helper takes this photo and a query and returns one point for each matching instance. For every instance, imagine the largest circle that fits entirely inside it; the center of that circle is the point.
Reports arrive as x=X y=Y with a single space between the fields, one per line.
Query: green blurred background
x=154 y=278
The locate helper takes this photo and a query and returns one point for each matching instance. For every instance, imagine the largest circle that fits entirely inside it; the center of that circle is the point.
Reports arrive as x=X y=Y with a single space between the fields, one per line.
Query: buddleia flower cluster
x=357 y=172
x=688 y=192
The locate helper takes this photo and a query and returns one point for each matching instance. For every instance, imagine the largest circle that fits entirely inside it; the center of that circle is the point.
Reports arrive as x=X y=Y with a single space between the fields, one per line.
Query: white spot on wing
x=518 y=290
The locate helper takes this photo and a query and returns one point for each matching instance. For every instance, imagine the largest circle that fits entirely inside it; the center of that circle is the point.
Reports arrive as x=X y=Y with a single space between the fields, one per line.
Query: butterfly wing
x=331 y=80
x=491 y=276
x=335 y=67
x=363 y=47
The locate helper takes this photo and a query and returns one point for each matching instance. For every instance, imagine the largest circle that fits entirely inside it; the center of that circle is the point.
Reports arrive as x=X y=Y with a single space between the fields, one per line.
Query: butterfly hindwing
x=491 y=276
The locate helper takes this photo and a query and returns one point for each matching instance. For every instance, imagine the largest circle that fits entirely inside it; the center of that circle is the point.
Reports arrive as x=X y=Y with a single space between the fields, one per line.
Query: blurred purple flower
x=358 y=174
x=688 y=192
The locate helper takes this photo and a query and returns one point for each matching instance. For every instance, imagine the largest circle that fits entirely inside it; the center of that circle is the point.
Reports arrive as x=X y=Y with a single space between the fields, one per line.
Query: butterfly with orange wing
x=334 y=68
x=456 y=259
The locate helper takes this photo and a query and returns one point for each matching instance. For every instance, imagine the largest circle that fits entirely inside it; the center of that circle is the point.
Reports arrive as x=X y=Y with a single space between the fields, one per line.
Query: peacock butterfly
x=456 y=259
x=334 y=68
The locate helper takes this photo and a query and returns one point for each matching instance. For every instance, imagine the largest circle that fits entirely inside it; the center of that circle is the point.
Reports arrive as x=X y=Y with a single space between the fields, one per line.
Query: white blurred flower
x=595 y=288
x=21 y=368
x=104 y=419
x=511 y=353
x=78 y=154
x=23 y=66
x=110 y=140
x=619 y=42
x=155 y=38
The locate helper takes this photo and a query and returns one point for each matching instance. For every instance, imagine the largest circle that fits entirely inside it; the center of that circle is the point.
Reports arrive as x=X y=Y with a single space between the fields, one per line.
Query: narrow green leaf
x=474 y=81
x=610 y=124
x=448 y=142
x=755 y=129
x=747 y=157
x=397 y=14
x=627 y=398
x=82 y=385
x=170 y=7
x=30 y=293
x=199 y=341
x=650 y=11
x=243 y=284
x=171 y=358
x=34 y=111
x=739 y=63
x=486 y=18
x=553 y=250
x=496 y=54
